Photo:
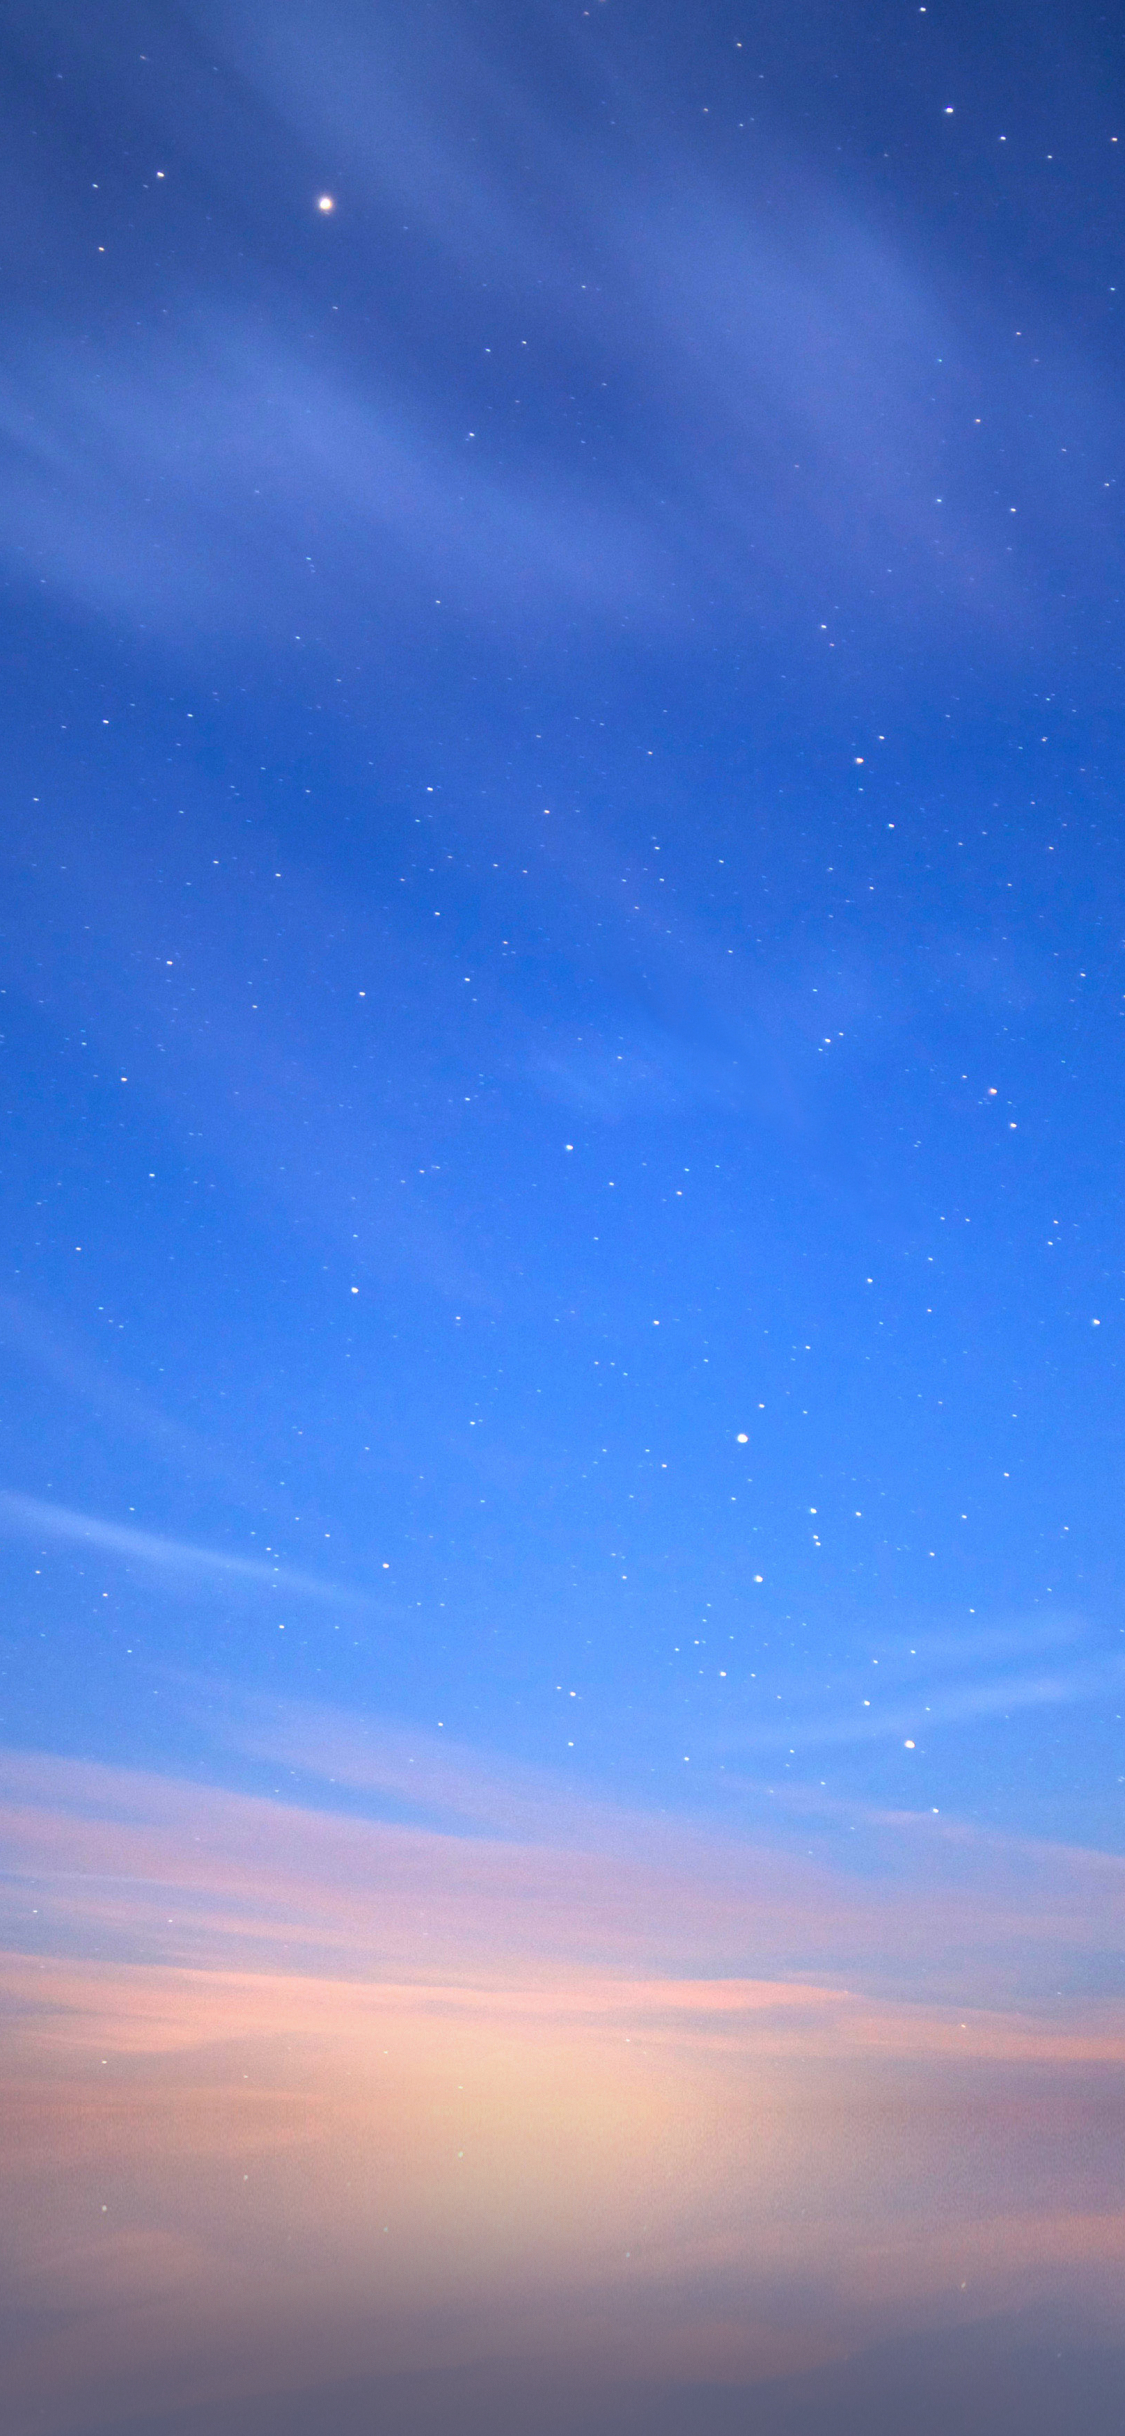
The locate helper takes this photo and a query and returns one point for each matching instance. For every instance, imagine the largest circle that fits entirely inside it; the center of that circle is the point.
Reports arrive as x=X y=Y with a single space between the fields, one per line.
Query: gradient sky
x=561 y=1289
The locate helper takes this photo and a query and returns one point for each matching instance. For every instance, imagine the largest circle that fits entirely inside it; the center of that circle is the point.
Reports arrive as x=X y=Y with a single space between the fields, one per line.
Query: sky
x=561 y=1290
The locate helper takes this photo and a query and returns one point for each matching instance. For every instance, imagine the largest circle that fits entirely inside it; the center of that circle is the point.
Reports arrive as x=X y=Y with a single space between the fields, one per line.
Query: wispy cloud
x=486 y=1867
x=265 y=483
x=177 y=435
x=955 y=1704
x=33 y=1518
x=941 y=1680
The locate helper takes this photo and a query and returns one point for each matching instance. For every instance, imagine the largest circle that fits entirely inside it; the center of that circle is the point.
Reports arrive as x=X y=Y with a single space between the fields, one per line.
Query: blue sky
x=563 y=1007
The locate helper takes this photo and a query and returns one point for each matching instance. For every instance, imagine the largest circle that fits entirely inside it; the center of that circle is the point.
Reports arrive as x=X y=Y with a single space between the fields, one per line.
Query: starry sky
x=563 y=1052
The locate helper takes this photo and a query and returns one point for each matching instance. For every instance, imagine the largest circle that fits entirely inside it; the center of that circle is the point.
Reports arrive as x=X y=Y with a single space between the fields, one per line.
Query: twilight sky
x=561 y=1290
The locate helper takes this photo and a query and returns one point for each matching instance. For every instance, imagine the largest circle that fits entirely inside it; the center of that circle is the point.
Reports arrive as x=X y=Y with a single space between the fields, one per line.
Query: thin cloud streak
x=455 y=1783
x=176 y=434
x=33 y=1518
x=958 y=1704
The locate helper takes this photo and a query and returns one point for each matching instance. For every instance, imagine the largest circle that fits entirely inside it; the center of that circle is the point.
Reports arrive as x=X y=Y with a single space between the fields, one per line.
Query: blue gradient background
x=563 y=1019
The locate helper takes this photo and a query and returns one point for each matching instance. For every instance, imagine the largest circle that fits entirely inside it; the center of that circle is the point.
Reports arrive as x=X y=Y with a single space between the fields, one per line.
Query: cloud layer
x=291 y=2094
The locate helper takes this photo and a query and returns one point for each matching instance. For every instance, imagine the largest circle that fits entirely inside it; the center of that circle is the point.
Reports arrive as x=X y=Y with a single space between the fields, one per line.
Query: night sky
x=562 y=1055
